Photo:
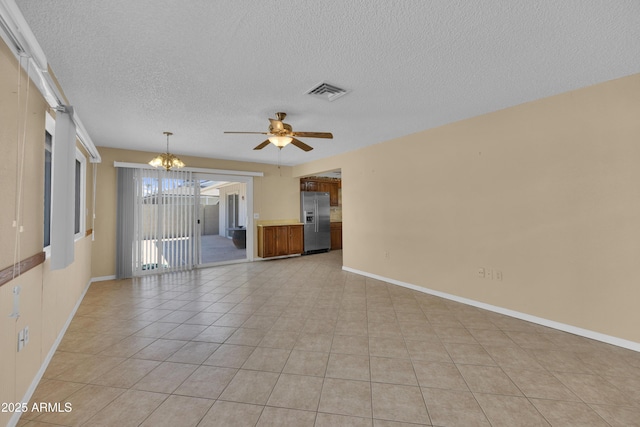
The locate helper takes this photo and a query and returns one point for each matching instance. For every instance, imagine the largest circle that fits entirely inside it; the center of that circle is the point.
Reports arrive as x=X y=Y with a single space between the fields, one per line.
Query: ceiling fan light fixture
x=167 y=160
x=281 y=134
x=280 y=141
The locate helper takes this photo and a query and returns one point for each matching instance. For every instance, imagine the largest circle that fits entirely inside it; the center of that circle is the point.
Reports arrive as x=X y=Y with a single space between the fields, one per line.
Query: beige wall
x=46 y=298
x=276 y=197
x=546 y=192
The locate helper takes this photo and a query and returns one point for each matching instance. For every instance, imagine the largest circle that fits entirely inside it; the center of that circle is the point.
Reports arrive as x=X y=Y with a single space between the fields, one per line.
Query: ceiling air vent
x=327 y=91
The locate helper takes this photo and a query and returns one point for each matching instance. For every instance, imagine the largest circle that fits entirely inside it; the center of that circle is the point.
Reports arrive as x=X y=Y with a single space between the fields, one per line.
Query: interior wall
x=546 y=193
x=275 y=197
x=46 y=298
x=14 y=117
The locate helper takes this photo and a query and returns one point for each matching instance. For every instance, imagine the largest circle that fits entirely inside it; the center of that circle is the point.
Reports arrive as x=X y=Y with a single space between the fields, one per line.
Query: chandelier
x=167 y=160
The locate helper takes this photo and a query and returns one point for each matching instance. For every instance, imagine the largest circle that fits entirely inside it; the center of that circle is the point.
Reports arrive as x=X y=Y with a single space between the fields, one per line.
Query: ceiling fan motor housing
x=285 y=130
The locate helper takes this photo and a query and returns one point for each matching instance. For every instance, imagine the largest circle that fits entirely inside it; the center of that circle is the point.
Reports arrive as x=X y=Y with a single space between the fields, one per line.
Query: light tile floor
x=299 y=342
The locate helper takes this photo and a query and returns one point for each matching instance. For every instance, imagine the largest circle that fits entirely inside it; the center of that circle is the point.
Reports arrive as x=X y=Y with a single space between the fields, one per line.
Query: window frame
x=81 y=205
x=50 y=128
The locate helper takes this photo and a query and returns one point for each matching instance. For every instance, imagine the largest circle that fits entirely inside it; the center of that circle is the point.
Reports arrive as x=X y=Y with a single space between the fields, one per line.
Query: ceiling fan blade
x=300 y=144
x=259 y=133
x=262 y=145
x=328 y=135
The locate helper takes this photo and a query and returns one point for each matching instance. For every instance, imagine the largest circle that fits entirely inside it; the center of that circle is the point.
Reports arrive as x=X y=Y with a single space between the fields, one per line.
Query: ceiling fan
x=281 y=134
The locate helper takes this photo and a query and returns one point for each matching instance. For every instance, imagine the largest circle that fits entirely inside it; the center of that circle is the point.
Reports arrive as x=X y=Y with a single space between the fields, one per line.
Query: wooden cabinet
x=280 y=240
x=331 y=188
x=334 y=199
x=325 y=185
x=275 y=241
x=336 y=235
x=296 y=239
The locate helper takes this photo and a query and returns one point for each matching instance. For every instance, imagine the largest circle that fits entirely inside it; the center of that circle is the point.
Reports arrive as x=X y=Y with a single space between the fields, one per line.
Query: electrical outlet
x=490 y=274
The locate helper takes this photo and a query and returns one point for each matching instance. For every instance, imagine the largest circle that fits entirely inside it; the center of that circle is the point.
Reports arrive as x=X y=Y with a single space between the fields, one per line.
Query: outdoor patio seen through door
x=222 y=215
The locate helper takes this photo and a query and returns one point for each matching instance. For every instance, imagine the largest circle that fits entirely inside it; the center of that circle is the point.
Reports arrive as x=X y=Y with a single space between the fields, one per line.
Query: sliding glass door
x=177 y=220
x=164 y=221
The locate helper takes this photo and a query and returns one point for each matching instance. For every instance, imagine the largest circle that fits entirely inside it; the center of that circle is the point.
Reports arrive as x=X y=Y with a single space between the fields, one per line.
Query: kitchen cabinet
x=296 y=239
x=334 y=199
x=280 y=240
x=336 y=235
x=325 y=185
x=332 y=189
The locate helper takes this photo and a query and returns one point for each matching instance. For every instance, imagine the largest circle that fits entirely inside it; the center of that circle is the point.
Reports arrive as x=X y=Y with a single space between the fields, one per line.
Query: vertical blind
x=156 y=221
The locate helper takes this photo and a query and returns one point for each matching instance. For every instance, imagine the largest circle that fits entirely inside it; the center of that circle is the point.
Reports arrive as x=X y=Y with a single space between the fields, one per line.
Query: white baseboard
x=103 y=278
x=631 y=345
x=36 y=380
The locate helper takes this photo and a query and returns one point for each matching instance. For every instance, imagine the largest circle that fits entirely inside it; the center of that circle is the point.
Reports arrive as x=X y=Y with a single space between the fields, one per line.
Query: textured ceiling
x=136 y=68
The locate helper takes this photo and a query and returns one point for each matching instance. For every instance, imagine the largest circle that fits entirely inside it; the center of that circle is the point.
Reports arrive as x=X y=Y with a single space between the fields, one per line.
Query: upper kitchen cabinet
x=326 y=185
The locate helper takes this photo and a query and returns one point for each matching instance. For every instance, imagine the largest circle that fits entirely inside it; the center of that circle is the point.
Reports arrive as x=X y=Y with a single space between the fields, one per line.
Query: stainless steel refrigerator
x=315 y=215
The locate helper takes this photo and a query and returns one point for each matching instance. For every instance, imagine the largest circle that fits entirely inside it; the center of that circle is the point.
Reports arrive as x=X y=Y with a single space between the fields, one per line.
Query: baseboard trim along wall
x=45 y=363
x=103 y=278
x=631 y=345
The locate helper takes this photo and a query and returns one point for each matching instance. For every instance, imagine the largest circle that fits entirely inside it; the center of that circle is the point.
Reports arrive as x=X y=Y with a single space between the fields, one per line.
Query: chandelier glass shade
x=167 y=160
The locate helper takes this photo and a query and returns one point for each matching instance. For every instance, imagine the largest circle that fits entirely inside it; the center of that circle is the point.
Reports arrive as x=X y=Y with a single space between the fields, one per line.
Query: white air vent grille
x=327 y=91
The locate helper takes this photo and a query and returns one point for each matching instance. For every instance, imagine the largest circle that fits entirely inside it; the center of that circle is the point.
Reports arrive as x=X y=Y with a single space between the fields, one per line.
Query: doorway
x=161 y=218
x=222 y=220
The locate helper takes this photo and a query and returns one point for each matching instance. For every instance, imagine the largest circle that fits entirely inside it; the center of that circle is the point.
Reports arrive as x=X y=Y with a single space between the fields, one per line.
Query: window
x=79 y=190
x=80 y=195
x=48 y=143
x=50 y=125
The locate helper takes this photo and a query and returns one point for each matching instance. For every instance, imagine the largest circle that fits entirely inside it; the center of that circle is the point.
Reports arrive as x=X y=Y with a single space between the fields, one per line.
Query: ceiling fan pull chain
x=279 y=151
